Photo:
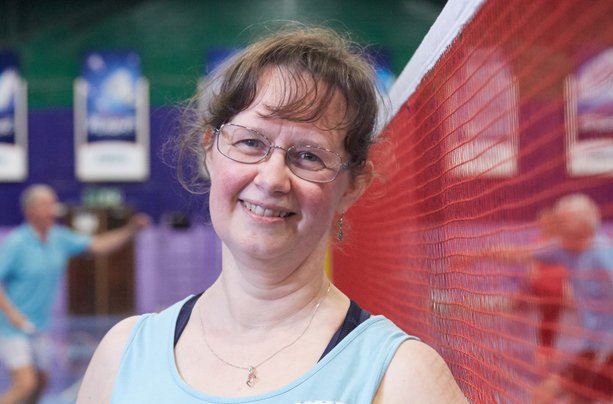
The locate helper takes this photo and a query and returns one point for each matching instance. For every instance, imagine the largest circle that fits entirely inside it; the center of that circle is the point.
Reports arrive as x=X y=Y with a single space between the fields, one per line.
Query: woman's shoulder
x=97 y=385
x=418 y=369
x=105 y=364
x=120 y=332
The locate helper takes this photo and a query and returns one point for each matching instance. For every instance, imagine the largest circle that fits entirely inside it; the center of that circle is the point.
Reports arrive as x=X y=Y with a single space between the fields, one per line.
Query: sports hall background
x=450 y=187
x=173 y=39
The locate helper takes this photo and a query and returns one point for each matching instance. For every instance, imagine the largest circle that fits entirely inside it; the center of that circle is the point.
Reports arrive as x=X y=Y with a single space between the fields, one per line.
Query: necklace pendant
x=251 y=377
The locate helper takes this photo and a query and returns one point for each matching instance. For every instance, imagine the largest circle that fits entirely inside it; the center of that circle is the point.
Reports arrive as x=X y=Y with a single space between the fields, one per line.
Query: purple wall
x=51 y=160
x=171 y=264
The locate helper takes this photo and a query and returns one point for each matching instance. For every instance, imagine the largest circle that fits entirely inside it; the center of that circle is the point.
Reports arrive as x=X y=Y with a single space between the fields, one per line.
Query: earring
x=339 y=234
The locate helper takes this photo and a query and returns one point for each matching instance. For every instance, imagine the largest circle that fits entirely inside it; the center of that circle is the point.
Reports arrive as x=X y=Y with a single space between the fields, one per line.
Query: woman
x=284 y=134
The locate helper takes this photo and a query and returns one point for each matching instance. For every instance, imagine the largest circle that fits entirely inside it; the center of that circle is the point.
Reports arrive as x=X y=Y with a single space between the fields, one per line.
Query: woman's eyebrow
x=315 y=136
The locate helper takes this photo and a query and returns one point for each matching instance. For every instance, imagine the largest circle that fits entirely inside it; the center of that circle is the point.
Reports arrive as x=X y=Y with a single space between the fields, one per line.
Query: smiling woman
x=284 y=130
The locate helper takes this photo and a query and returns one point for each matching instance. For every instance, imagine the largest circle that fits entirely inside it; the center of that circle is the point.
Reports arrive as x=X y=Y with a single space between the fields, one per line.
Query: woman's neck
x=261 y=296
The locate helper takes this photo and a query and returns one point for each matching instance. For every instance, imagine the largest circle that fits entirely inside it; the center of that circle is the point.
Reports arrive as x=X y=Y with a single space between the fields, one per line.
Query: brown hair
x=316 y=61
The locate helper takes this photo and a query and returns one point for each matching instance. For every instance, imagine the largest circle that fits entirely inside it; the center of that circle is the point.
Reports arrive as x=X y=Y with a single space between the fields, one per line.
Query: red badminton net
x=516 y=114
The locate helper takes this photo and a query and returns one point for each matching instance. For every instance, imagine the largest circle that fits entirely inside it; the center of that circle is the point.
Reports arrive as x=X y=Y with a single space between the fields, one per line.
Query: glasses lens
x=313 y=164
x=249 y=146
x=242 y=144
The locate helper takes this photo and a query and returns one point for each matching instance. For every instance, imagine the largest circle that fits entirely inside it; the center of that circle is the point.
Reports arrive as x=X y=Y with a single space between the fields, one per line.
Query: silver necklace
x=252 y=369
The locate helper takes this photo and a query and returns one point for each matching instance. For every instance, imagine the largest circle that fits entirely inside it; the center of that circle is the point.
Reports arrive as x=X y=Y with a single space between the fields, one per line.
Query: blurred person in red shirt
x=547 y=288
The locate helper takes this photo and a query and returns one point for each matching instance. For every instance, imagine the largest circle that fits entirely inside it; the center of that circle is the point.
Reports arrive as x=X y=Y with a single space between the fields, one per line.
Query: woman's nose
x=273 y=173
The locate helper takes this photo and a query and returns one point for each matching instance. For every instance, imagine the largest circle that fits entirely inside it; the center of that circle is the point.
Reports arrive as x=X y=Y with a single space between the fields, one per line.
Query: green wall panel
x=172 y=36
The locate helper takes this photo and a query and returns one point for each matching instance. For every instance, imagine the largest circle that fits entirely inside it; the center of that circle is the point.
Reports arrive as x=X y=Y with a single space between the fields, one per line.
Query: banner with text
x=111 y=118
x=13 y=120
x=589 y=117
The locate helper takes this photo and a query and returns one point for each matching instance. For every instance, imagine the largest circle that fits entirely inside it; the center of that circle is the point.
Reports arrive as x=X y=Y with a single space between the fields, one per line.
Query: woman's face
x=265 y=211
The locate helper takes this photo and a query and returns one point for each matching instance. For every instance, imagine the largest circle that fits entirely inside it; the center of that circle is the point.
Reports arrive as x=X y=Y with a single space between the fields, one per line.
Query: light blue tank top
x=350 y=373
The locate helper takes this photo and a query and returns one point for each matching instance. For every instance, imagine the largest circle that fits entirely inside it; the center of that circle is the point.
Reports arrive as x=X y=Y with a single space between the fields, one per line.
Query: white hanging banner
x=111 y=118
x=589 y=117
x=13 y=120
x=482 y=117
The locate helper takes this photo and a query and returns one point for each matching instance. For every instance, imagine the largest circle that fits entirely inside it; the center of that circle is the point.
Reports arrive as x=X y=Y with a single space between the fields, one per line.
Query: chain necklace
x=251 y=369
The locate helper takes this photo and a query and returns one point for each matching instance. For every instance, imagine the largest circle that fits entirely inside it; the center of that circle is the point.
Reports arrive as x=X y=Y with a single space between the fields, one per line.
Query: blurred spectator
x=547 y=287
x=588 y=257
x=32 y=259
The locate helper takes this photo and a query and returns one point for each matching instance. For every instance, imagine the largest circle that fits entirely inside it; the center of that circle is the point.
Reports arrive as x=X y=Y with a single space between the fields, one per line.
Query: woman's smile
x=264 y=211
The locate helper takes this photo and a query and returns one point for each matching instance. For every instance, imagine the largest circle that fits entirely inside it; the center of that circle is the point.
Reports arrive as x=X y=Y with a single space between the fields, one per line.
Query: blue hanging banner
x=9 y=84
x=112 y=118
x=13 y=119
x=112 y=80
x=381 y=59
x=216 y=56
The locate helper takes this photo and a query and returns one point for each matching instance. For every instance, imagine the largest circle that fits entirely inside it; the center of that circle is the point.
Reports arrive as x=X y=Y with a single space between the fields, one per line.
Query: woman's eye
x=307 y=160
x=250 y=145
x=308 y=156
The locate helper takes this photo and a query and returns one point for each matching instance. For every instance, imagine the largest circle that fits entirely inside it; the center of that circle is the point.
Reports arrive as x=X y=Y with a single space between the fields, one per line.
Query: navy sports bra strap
x=184 y=315
x=355 y=316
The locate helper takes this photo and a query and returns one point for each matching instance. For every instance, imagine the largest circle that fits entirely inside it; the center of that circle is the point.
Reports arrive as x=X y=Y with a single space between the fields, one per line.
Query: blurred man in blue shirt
x=32 y=260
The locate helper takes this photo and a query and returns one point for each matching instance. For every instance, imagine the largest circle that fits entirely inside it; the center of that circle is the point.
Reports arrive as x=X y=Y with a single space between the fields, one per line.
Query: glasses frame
x=271 y=146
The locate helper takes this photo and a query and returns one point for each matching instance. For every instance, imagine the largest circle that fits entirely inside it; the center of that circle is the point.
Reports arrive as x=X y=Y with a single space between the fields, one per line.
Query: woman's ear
x=357 y=186
x=207 y=138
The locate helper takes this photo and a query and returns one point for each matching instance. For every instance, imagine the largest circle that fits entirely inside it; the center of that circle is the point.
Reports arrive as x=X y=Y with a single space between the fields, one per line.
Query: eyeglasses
x=248 y=146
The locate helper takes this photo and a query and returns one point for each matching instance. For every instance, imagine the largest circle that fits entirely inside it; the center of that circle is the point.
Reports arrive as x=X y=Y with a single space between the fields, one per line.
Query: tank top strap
x=183 y=317
x=354 y=317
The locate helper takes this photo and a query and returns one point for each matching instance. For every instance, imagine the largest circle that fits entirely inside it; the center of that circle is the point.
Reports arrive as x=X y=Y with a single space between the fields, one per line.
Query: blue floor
x=74 y=339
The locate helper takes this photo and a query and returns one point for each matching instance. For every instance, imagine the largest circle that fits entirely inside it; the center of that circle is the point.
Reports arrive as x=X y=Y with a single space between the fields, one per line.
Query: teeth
x=261 y=211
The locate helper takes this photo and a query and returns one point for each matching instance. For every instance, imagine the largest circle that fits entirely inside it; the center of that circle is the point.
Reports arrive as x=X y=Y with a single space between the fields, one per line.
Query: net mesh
x=456 y=241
